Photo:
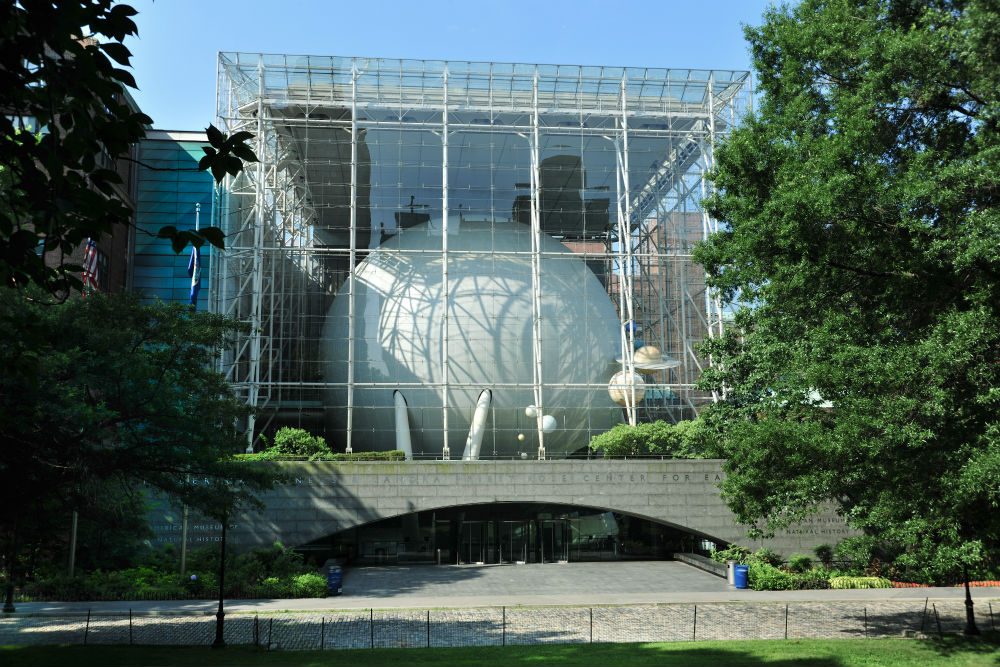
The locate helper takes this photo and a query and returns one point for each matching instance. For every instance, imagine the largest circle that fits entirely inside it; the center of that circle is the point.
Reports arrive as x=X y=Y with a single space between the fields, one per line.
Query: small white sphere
x=531 y=411
x=549 y=424
x=194 y=577
x=520 y=437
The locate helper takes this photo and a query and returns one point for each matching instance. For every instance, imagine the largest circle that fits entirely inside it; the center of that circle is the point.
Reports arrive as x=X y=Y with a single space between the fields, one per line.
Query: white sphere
x=549 y=424
x=399 y=311
x=520 y=437
x=531 y=412
x=622 y=389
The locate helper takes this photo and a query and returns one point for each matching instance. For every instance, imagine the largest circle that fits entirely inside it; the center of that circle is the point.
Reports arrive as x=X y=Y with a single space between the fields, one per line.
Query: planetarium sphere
x=399 y=344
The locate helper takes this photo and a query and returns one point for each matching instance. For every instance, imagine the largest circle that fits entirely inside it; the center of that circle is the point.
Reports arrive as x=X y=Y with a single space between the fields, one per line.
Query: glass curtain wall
x=467 y=259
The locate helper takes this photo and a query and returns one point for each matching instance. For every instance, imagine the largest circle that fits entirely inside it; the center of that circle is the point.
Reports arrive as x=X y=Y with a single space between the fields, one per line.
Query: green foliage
x=824 y=553
x=103 y=400
x=72 y=111
x=290 y=441
x=274 y=572
x=272 y=455
x=812 y=580
x=799 y=563
x=860 y=582
x=308 y=585
x=684 y=440
x=861 y=220
x=733 y=552
x=766 y=556
x=765 y=577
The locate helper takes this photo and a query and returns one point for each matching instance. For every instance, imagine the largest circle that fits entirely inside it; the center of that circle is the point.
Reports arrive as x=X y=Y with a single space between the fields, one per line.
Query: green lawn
x=808 y=653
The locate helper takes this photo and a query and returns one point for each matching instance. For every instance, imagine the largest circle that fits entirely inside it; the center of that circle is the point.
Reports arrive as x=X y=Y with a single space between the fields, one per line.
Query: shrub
x=274 y=455
x=765 y=577
x=309 y=585
x=299 y=442
x=766 y=556
x=683 y=440
x=860 y=582
x=733 y=552
x=824 y=553
x=62 y=587
x=812 y=580
x=273 y=587
x=799 y=563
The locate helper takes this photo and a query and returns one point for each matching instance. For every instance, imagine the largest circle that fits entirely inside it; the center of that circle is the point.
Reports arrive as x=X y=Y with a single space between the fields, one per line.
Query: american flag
x=194 y=270
x=90 y=267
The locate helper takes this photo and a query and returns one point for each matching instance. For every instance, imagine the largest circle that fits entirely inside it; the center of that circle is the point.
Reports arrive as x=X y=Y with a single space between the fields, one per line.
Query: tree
x=109 y=395
x=861 y=214
x=64 y=123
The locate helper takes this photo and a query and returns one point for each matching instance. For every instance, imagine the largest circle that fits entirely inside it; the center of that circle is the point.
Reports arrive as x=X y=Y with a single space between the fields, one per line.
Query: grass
x=950 y=652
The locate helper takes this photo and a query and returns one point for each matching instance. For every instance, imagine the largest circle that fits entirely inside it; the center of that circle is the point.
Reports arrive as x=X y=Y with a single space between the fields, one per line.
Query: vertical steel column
x=445 y=451
x=351 y=312
x=625 y=259
x=713 y=308
x=536 y=246
x=253 y=390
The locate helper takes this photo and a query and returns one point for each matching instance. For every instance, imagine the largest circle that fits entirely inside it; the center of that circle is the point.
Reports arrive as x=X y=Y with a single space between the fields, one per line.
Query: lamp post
x=220 y=616
x=8 y=598
x=970 y=616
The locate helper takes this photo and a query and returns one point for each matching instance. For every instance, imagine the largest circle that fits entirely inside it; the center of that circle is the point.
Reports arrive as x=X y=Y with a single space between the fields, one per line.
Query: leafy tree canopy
x=862 y=226
x=64 y=119
x=107 y=396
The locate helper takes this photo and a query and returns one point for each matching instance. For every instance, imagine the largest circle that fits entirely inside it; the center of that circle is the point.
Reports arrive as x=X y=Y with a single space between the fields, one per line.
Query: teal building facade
x=169 y=192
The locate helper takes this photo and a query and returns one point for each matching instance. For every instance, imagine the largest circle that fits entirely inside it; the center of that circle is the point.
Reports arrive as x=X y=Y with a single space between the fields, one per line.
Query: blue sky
x=175 y=53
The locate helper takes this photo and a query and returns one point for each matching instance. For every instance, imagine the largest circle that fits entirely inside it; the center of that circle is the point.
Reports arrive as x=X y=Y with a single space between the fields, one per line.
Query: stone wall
x=326 y=497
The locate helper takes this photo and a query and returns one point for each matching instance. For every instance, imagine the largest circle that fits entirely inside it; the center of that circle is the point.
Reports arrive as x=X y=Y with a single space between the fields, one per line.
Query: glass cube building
x=467 y=260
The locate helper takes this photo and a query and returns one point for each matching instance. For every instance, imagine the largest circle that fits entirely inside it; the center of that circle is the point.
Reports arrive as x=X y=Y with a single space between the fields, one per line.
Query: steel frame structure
x=650 y=132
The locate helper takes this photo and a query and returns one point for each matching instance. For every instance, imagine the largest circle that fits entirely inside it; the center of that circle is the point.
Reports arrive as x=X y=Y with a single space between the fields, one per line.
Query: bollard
x=786 y=621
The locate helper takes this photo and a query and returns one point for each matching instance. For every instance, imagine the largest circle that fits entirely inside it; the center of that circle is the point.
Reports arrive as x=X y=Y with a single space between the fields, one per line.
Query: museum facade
x=483 y=265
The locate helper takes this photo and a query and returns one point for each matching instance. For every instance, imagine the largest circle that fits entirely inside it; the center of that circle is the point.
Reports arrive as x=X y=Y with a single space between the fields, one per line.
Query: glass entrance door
x=555 y=540
x=515 y=541
x=477 y=543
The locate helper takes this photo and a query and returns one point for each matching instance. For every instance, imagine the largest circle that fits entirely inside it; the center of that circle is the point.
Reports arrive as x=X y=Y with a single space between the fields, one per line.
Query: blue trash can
x=335 y=580
x=740 y=575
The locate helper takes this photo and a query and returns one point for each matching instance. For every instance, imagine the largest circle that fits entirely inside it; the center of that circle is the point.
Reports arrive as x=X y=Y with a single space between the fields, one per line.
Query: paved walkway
x=570 y=584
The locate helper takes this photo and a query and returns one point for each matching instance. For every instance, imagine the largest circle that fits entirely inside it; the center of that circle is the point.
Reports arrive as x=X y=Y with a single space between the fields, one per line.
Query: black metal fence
x=501 y=626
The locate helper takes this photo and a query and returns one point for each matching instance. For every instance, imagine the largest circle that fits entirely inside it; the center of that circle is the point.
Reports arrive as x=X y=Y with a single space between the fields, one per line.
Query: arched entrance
x=497 y=533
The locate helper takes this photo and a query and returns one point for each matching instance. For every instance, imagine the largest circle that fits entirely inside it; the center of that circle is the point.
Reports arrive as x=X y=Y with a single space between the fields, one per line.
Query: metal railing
x=502 y=626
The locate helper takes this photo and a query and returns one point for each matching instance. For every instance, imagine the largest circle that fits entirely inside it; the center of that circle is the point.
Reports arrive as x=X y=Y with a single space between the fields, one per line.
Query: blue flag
x=194 y=270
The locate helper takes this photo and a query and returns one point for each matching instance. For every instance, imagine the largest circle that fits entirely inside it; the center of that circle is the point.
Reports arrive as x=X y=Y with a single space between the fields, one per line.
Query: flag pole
x=197 y=216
